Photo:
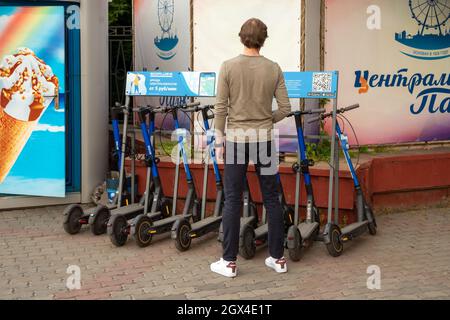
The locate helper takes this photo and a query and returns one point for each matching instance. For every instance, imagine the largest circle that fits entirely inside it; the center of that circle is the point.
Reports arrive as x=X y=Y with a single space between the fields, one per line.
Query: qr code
x=321 y=82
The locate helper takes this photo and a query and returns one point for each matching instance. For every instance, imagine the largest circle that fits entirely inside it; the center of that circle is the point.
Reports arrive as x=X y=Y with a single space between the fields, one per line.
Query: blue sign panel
x=312 y=85
x=171 y=84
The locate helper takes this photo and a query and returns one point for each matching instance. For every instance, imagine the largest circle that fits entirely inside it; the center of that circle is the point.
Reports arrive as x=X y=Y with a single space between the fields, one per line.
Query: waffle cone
x=14 y=134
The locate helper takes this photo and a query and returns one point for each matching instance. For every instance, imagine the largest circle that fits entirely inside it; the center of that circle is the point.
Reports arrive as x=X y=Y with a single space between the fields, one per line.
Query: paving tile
x=411 y=248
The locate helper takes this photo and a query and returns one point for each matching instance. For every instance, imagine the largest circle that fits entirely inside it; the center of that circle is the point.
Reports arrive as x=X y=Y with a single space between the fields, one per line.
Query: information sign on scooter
x=312 y=85
x=173 y=84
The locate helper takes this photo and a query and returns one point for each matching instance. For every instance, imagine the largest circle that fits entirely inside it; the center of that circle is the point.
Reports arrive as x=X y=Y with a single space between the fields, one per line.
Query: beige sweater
x=245 y=92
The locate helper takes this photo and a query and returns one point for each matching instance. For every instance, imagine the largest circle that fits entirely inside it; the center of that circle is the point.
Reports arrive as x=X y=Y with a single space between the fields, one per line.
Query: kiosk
x=85 y=94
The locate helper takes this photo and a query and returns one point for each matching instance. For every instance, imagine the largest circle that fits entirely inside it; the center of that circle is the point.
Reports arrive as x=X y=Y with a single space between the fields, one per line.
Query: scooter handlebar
x=354 y=106
x=189 y=105
x=161 y=109
x=315 y=111
x=305 y=112
x=314 y=119
x=118 y=109
x=199 y=108
x=338 y=111
x=170 y=108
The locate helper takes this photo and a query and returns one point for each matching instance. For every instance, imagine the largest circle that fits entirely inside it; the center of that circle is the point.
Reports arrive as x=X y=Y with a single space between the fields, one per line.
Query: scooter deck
x=307 y=229
x=154 y=215
x=165 y=225
x=248 y=220
x=354 y=230
x=111 y=206
x=129 y=211
x=205 y=226
x=262 y=232
x=92 y=210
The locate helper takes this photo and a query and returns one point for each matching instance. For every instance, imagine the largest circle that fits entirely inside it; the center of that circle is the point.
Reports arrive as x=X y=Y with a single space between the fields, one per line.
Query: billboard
x=393 y=58
x=32 y=86
x=162 y=43
x=216 y=27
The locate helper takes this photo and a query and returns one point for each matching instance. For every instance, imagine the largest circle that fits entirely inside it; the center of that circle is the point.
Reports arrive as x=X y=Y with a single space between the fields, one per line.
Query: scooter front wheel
x=247 y=247
x=72 y=216
x=99 y=220
x=140 y=230
x=183 y=238
x=335 y=246
x=117 y=230
x=372 y=228
x=295 y=246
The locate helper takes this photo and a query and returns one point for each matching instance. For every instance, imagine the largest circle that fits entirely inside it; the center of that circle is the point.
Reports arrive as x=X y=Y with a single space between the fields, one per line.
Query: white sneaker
x=279 y=265
x=224 y=268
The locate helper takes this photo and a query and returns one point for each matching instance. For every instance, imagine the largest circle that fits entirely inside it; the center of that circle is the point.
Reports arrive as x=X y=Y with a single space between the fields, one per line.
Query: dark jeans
x=236 y=162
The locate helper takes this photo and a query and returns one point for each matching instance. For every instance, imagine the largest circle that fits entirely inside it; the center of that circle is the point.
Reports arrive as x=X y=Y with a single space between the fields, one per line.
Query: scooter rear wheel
x=371 y=225
x=247 y=246
x=99 y=220
x=316 y=219
x=220 y=236
x=335 y=246
x=72 y=215
x=254 y=213
x=183 y=239
x=117 y=230
x=141 y=230
x=296 y=252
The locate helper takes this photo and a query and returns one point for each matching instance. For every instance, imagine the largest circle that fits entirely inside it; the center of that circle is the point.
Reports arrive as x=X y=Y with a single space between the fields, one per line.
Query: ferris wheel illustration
x=165 y=15
x=430 y=14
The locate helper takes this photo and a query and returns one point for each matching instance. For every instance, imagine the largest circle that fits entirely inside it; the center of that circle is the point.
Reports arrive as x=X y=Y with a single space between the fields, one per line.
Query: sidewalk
x=412 y=250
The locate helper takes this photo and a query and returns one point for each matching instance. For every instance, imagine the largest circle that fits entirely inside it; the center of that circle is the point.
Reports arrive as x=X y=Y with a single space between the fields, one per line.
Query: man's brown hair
x=253 y=33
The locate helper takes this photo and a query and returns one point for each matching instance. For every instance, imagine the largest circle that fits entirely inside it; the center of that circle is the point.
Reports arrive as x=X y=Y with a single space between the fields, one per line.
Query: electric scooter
x=301 y=235
x=182 y=231
x=252 y=236
x=249 y=213
x=74 y=215
x=118 y=226
x=333 y=236
x=144 y=228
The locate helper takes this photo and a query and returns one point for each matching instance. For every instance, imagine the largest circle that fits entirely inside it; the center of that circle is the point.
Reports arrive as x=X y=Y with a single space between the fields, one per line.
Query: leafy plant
x=319 y=151
x=364 y=149
x=323 y=102
x=380 y=149
x=120 y=13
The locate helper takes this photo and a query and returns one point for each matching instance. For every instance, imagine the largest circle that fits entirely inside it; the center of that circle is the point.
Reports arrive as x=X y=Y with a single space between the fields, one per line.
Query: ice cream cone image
x=27 y=87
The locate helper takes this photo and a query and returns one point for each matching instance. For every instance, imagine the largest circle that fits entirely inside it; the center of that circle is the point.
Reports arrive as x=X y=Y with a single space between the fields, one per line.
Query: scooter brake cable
x=356 y=138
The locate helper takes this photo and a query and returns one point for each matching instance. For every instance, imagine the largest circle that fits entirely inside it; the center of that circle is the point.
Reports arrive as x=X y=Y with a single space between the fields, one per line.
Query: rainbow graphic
x=35 y=27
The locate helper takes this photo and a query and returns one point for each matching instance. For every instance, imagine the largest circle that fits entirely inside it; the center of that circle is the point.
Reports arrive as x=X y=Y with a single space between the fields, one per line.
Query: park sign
x=393 y=58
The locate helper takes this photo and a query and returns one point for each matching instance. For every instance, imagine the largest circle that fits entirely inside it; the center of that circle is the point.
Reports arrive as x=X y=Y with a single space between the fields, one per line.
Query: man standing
x=246 y=87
